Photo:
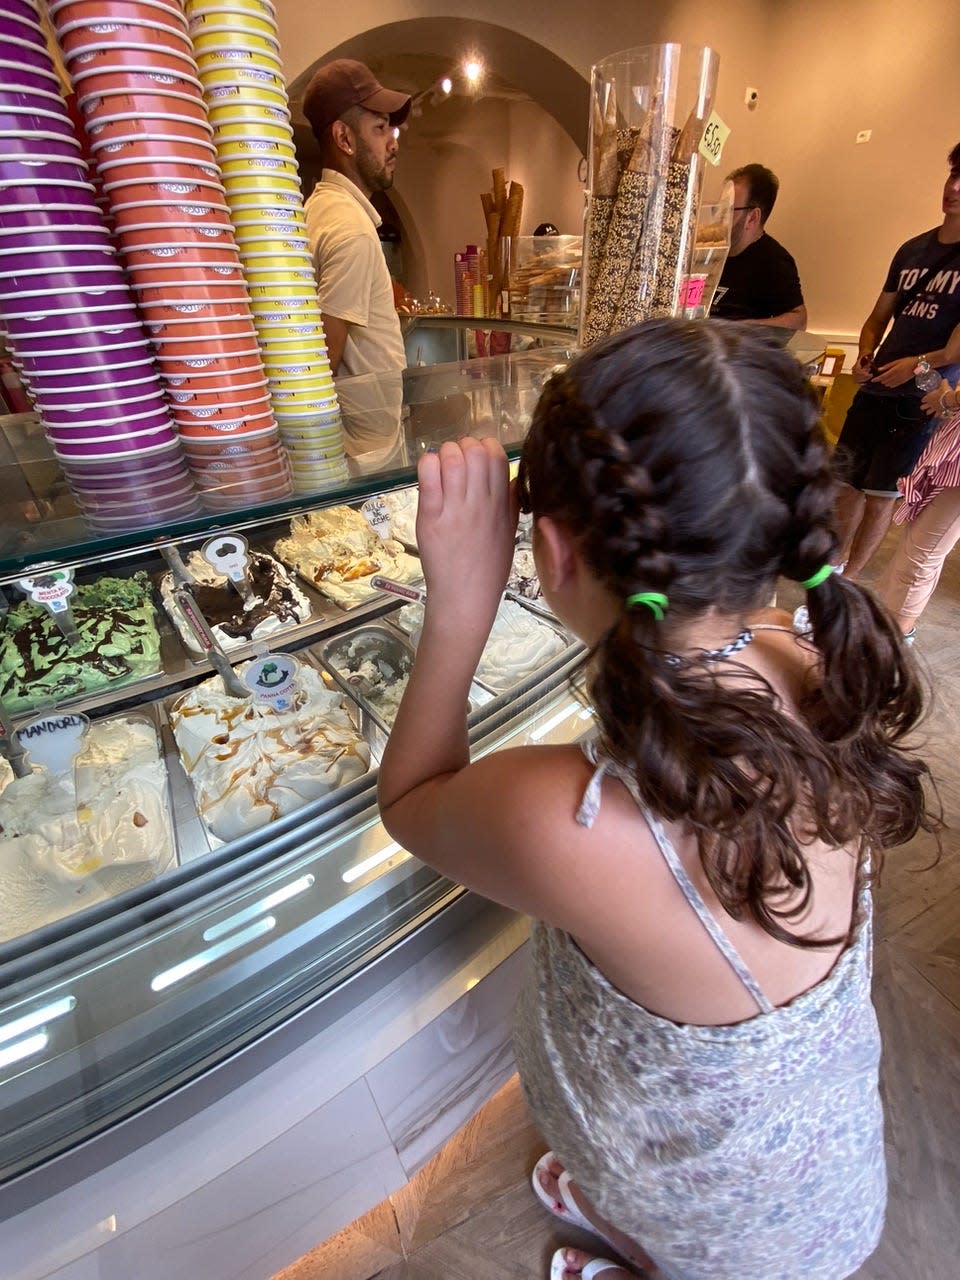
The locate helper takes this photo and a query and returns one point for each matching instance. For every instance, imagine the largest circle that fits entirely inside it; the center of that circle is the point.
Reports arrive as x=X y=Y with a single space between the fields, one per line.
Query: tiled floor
x=469 y=1215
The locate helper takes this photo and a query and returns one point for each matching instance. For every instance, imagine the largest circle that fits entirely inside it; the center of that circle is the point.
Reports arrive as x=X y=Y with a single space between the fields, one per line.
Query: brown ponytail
x=687 y=459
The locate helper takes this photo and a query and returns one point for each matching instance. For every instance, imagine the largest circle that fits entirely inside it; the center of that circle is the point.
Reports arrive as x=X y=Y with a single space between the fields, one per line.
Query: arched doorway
x=529 y=117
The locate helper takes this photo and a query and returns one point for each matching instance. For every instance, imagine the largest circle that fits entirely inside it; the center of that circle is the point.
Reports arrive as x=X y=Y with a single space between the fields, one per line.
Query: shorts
x=882 y=439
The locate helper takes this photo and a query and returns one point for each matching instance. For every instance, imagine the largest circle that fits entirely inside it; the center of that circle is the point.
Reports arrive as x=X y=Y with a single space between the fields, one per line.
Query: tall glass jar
x=648 y=110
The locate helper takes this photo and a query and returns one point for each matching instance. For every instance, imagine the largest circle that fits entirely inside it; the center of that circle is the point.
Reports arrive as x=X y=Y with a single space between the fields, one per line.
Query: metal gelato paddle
x=183 y=595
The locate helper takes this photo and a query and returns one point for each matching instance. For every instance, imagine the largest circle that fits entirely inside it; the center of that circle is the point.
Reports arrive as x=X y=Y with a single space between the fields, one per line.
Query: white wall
x=824 y=70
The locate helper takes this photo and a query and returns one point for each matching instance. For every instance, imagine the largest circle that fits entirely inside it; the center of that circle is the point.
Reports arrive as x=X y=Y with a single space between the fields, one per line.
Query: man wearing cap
x=354 y=119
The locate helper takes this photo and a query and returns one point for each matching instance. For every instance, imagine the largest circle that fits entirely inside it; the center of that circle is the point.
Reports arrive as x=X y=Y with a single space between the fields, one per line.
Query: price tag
x=377 y=515
x=691 y=291
x=272 y=680
x=51 y=590
x=53 y=740
x=714 y=137
x=228 y=555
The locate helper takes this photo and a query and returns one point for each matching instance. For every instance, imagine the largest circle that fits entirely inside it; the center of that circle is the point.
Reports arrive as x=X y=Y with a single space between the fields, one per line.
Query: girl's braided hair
x=687 y=458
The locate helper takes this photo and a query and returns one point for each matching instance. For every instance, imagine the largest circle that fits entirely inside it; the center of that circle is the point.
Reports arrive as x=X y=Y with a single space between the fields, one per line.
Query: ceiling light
x=446 y=84
x=473 y=70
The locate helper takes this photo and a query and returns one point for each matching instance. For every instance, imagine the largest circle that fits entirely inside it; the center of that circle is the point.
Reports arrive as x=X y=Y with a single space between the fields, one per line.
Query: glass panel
x=389 y=420
x=96 y=1026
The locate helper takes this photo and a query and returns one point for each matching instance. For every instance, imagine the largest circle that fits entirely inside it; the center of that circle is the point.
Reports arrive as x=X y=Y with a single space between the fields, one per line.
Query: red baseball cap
x=344 y=83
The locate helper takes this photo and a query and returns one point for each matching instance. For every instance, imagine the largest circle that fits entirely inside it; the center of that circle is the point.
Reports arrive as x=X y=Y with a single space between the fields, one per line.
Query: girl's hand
x=466 y=526
x=931 y=401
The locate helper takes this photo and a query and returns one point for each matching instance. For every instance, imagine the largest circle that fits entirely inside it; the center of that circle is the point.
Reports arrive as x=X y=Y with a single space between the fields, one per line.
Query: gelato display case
x=227 y=997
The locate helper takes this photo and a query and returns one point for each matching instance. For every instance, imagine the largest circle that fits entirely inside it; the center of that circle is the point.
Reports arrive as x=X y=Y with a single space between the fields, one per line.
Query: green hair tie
x=655 y=601
x=822 y=574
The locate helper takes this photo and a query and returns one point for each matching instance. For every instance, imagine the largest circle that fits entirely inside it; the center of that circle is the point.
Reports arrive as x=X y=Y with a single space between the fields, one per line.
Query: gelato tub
x=518 y=646
x=277 y=603
x=119 y=642
x=337 y=552
x=68 y=841
x=250 y=764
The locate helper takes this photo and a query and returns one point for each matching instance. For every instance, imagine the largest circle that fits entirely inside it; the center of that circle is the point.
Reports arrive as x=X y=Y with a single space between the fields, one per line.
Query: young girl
x=696 y=1037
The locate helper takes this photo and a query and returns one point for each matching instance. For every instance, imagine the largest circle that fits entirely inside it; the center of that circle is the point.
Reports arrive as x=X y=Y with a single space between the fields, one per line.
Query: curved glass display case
x=130 y=970
x=297 y=1001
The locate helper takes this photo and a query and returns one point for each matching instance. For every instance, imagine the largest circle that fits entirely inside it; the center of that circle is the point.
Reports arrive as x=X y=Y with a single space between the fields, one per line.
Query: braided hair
x=687 y=458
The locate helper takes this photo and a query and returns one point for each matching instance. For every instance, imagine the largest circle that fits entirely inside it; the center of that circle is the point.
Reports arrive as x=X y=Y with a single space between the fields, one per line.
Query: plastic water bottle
x=928 y=379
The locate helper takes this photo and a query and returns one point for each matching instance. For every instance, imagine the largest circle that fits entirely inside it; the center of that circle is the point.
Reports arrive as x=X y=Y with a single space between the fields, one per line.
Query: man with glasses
x=759 y=283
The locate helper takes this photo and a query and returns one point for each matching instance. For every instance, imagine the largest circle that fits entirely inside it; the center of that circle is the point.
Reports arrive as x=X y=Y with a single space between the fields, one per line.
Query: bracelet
x=923 y=365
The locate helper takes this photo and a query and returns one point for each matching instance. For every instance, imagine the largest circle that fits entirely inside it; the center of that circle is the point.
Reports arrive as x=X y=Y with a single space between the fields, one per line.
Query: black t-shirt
x=927 y=309
x=760 y=282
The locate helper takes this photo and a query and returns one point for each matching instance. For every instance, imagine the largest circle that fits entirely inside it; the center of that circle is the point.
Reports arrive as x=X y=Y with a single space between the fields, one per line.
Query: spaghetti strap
x=586 y=816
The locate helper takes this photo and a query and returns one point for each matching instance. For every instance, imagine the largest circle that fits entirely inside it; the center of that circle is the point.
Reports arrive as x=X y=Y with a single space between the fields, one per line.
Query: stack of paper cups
x=237 y=49
x=131 y=62
x=71 y=321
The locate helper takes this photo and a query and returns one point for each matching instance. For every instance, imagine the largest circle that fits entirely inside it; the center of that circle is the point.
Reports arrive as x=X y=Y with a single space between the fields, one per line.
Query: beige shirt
x=352 y=275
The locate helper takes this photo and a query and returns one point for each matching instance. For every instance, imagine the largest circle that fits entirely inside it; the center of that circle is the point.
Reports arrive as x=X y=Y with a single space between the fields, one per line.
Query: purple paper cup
x=101 y=420
x=44 y=193
x=90 y=493
x=35 y=120
x=81 y=400
x=47 y=146
x=127 y=351
x=144 y=519
x=16 y=98
x=86 y=325
x=147 y=381
x=29 y=173
x=31 y=54
x=110 y=495
x=78 y=280
x=16 y=75
x=110 y=502
x=24 y=27
x=83 y=217
x=111 y=447
x=21 y=9
x=55 y=259
x=159 y=463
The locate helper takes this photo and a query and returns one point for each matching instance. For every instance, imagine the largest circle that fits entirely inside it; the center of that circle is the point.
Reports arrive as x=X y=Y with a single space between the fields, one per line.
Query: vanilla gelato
x=250 y=764
x=519 y=644
x=375 y=663
x=68 y=841
x=402 y=506
x=276 y=602
x=337 y=552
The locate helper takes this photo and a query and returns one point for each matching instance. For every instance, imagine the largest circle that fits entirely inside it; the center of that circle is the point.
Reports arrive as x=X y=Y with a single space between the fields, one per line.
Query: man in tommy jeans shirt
x=886 y=430
x=354 y=119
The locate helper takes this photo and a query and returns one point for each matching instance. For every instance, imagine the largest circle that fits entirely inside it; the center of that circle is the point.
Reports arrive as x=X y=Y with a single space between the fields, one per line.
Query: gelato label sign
x=714 y=137
x=272 y=680
x=228 y=555
x=377 y=515
x=54 y=740
x=51 y=590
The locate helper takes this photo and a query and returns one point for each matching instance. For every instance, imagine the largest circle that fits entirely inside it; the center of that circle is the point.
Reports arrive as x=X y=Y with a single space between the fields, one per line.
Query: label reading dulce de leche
x=272 y=679
x=53 y=740
x=377 y=515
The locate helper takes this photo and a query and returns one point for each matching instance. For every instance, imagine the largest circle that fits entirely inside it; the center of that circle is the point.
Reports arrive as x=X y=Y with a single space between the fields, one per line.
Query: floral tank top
x=744 y=1152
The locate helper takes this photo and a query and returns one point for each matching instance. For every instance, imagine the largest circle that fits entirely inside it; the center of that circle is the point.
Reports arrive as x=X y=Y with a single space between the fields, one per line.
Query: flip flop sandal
x=568 y=1211
x=595 y=1267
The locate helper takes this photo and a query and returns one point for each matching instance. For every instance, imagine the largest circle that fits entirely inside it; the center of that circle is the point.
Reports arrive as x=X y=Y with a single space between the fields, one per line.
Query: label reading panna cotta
x=272 y=680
